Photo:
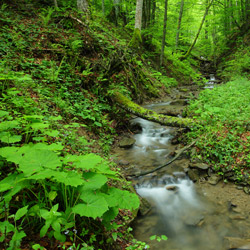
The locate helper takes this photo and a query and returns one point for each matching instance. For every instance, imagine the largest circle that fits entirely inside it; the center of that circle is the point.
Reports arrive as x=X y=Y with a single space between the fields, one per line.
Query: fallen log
x=150 y=115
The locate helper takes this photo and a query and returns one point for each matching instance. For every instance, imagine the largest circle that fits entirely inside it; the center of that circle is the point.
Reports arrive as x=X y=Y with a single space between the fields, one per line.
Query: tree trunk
x=179 y=25
x=198 y=33
x=117 y=10
x=136 y=39
x=150 y=115
x=83 y=6
x=56 y=5
x=164 y=32
x=103 y=7
x=153 y=12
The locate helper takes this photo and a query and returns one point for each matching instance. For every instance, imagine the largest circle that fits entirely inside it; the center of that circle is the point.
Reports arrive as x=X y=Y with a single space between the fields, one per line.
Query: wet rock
x=214 y=179
x=202 y=166
x=180 y=102
x=193 y=220
x=237 y=210
x=237 y=243
x=246 y=190
x=145 y=207
x=179 y=174
x=127 y=142
x=172 y=188
x=237 y=217
x=123 y=162
x=193 y=174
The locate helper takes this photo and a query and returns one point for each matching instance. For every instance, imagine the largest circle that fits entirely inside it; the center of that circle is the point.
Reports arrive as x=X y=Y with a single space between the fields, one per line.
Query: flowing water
x=211 y=83
x=179 y=210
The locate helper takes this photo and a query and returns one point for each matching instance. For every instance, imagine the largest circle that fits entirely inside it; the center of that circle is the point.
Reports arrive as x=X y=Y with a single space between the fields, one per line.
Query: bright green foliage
x=224 y=136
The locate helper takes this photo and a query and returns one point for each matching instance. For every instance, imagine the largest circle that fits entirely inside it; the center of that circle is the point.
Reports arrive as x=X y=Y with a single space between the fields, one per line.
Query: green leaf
x=39 y=126
x=44 y=174
x=3 y=113
x=153 y=237
x=11 y=154
x=44 y=229
x=94 y=207
x=7 y=137
x=94 y=181
x=59 y=236
x=110 y=214
x=21 y=212
x=52 y=195
x=56 y=226
x=69 y=178
x=6 y=226
x=122 y=199
x=164 y=237
x=52 y=133
x=89 y=161
x=6 y=125
x=35 y=160
x=55 y=118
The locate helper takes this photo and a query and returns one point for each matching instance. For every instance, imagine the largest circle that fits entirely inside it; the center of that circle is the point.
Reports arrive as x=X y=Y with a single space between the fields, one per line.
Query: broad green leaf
x=33 y=118
x=89 y=161
x=55 y=118
x=44 y=146
x=52 y=133
x=69 y=178
x=11 y=154
x=44 y=174
x=94 y=181
x=122 y=199
x=10 y=182
x=7 y=137
x=3 y=113
x=70 y=158
x=39 y=126
x=35 y=160
x=21 y=212
x=6 y=125
x=110 y=214
x=95 y=207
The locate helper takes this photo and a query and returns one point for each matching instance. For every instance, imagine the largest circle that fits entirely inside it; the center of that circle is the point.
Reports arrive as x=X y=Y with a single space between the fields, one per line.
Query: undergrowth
x=224 y=135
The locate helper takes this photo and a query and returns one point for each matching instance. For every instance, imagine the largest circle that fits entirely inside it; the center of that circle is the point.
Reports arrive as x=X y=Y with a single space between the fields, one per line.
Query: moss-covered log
x=150 y=115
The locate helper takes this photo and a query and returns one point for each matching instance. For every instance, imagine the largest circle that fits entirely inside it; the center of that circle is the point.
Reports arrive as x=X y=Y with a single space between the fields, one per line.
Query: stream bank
x=209 y=214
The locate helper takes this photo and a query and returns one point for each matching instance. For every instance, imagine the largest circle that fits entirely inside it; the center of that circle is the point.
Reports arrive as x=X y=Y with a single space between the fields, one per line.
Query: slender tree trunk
x=179 y=25
x=153 y=12
x=103 y=7
x=117 y=10
x=136 y=39
x=164 y=32
x=198 y=33
x=56 y=5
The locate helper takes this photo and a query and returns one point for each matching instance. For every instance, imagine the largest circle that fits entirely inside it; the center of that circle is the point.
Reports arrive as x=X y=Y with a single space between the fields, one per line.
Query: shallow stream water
x=181 y=210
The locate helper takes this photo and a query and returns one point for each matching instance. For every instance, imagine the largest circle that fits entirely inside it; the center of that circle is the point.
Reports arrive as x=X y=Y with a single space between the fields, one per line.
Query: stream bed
x=193 y=216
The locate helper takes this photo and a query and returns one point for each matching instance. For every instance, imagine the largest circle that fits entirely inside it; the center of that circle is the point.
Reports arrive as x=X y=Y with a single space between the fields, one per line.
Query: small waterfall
x=211 y=83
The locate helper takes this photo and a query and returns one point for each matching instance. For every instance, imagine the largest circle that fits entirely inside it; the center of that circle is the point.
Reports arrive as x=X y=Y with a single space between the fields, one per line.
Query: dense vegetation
x=58 y=72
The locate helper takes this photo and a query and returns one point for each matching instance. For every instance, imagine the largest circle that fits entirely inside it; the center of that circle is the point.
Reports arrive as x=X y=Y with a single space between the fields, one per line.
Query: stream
x=193 y=216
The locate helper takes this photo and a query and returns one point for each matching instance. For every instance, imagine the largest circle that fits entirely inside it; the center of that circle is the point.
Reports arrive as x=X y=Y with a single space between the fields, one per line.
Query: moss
x=150 y=115
x=136 y=40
